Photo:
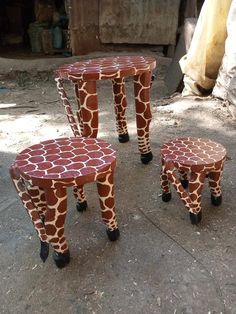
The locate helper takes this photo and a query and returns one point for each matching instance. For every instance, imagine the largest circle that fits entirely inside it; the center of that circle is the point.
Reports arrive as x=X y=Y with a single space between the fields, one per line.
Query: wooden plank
x=84 y=30
x=138 y=22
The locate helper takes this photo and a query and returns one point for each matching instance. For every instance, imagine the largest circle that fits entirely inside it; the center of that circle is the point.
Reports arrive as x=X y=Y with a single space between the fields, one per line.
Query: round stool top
x=106 y=68
x=65 y=159
x=191 y=151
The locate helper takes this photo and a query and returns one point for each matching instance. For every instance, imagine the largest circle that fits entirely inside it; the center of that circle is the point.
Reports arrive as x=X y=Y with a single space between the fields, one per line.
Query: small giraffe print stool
x=185 y=163
x=41 y=174
x=84 y=74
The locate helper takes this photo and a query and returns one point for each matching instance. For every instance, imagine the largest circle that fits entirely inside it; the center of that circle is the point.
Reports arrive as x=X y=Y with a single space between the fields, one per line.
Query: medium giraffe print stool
x=186 y=162
x=84 y=74
x=41 y=174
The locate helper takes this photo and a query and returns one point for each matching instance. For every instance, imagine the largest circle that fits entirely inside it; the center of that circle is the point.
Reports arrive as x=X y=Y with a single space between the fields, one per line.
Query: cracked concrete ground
x=161 y=263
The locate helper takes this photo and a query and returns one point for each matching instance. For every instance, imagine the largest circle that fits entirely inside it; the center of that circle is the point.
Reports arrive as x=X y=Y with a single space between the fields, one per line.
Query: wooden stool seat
x=84 y=74
x=185 y=163
x=41 y=174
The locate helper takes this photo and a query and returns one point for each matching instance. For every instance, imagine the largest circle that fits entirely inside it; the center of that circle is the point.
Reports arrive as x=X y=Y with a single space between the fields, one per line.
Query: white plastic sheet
x=225 y=87
x=202 y=62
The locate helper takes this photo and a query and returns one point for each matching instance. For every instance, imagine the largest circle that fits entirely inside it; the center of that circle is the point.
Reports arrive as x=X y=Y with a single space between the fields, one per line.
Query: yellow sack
x=201 y=63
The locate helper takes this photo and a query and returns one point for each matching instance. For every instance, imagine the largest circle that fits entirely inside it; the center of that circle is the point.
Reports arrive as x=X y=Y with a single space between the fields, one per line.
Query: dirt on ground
x=161 y=263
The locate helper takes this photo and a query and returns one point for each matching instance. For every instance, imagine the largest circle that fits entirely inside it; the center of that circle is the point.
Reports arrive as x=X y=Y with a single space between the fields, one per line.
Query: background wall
x=138 y=22
x=94 y=23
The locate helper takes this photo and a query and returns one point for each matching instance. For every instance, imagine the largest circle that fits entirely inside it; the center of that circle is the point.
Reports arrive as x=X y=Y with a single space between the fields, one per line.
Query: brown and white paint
x=84 y=75
x=192 y=158
x=42 y=172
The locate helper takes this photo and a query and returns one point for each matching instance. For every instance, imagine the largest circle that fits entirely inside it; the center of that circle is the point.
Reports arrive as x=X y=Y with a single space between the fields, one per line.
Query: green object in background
x=57 y=39
x=35 y=31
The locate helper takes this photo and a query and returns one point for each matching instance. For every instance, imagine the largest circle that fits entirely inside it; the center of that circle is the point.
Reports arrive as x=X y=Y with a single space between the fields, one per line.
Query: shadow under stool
x=84 y=74
x=42 y=172
x=186 y=162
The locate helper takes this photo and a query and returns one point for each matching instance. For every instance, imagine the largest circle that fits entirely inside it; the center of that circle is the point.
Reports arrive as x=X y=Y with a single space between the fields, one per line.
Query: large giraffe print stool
x=41 y=174
x=186 y=162
x=84 y=74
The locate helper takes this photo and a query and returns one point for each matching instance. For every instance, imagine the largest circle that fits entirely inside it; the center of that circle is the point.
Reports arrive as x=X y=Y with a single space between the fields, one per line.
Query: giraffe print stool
x=84 y=74
x=41 y=174
x=185 y=163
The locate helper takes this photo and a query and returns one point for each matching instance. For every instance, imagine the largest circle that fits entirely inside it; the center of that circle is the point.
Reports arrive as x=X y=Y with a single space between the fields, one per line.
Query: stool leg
x=183 y=178
x=196 y=182
x=89 y=107
x=215 y=186
x=38 y=198
x=79 y=112
x=185 y=197
x=142 y=84
x=165 y=185
x=55 y=223
x=67 y=106
x=120 y=102
x=105 y=187
x=80 y=196
x=32 y=210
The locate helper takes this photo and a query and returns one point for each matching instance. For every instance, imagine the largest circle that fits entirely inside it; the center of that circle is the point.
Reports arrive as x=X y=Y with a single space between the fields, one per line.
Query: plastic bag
x=225 y=87
x=201 y=64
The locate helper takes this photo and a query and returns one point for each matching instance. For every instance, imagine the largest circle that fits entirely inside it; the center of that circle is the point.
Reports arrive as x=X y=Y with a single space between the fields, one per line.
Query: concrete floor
x=161 y=263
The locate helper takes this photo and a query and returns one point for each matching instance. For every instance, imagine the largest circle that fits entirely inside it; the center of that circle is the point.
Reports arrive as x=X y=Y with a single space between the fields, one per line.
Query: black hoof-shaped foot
x=123 y=138
x=44 y=251
x=146 y=158
x=216 y=200
x=166 y=197
x=61 y=259
x=195 y=218
x=81 y=207
x=113 y=235
x=184 y=183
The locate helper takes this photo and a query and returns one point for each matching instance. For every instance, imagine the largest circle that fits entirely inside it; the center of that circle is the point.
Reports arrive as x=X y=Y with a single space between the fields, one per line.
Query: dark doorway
x=32 y=28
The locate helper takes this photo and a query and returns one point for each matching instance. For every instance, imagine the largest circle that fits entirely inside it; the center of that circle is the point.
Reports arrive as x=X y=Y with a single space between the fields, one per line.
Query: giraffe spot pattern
x=107 y=68
x=197 y=150
x=83 y=158
x=196 y=157
x=84 y=74
x=41 y=182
